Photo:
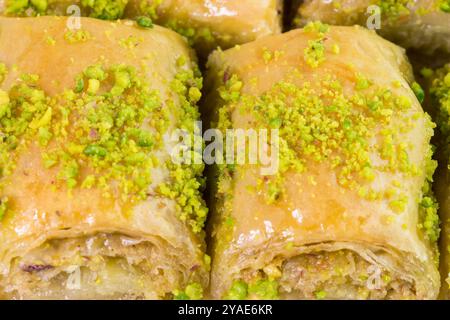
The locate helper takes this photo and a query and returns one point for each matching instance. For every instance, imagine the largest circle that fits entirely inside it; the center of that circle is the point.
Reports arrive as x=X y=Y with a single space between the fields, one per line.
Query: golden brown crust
x=418 y=24
x=207 y=24
x=215 y=23
x=315 y=208
x=41 y=212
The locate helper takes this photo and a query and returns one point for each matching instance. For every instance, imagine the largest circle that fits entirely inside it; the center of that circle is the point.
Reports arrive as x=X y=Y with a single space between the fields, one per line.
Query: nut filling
x=102 y=266
x=340 y=275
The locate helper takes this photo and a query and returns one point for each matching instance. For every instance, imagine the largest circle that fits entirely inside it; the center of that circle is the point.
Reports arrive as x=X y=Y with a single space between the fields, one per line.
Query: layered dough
x=109 y=266
x=439 y=83
x=207 y=24
x=92 y=205
x=421 y=24
x=107 y=10
x=349 y=213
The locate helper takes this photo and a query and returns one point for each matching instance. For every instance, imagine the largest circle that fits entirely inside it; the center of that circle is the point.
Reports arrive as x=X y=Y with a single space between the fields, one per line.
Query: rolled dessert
x=208 y=24
x=102 y=9
x=92 y=203
x=440 y=100
x=422 y=24
x=350 y=213
x=205 y=23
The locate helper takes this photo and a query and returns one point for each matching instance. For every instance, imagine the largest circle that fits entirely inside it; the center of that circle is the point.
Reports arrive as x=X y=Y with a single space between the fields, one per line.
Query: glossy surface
x=317 y=213
x=420 y=24
x=40 y=211
x=225 y=23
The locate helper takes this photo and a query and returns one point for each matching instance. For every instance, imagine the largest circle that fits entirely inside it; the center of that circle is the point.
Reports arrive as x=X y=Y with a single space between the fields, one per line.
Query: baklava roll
x=440 y=99
x=102 y=9
x=423 y=24
x=349 y=213
x=93 y=203
x=208 y=24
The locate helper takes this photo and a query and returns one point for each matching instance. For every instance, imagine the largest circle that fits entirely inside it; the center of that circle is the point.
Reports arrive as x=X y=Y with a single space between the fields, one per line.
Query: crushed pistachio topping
x=317 y=26
x=144 y=22
x=394 y=9
x=50 y=40
x=267 y=55
x=418 y=91
x=104 y=136
x=19 y=7
x=150 y=8
x=102 y=9
x=74 y=36
x=193 y=291
x=105 y=9
x=320 y=123
x=97 y=134
x=264 y=289
x=444 y=5
x=428 y=206
x=262 y=284
x=440 y=94
x=314 y=53
x=320 y=294
x=193 y=35
x=329 y=126
x=238 y=291
x=186 y=180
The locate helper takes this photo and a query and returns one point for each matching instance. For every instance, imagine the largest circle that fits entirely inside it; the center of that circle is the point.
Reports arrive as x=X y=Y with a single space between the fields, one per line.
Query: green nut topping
x=40 y=5
x=150 y=8
x=193 y=291
x=95 y=72
x=314 y=54
x=394 y=9
x=193 y=35
x=321 y=123
x=264 y=289
x=444 y=5
x=320 y=295
x=94 y=150
x=20 y=7
x=238 y=291
x=3 y=207
x=16 y=6
x=440 y=95
x=97 y=135
x=102 y=9
x=145 y=22
x=337 y=131
x=418 y=91
x=74 y=36
x=105 y=9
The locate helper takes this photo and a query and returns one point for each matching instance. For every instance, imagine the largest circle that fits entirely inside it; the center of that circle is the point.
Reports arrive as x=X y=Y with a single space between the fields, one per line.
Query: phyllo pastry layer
x=208 y=24
x=349 y=214
x=440 y=100
x=92 y=203
x=422 y=24
x=205 y=23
